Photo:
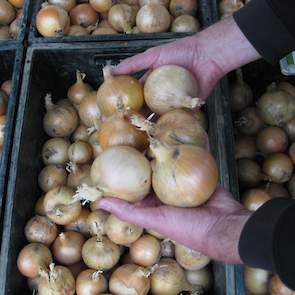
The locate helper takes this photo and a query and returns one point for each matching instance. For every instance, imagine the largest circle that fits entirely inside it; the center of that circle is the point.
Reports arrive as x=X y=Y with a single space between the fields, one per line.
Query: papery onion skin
x=16 y=3
x=185 y=24
x=81 y=133
x=170 y=87
x=228 y=7
x=80 y=224
x=96 y=221
x=80 y=152
x=245 y=147
x=256 y=280
x=55 y=151
x=83 y=15
x=78 y=175
x=254 y=198
x=167 y=249
x=289 y=127
x=96 y=147
x=277 y=287
x=184 y=175
x=155 y=234
x=7 y=13
x=65 y=4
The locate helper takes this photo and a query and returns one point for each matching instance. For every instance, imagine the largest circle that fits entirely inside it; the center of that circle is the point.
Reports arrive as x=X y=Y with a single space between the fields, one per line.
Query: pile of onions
x=254 y=198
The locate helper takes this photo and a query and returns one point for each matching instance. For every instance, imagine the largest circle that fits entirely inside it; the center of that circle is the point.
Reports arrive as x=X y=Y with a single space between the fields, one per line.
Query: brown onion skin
x=80 y=133
x=277 y=287
x=199 y=278
x=7 y=13
x=291 y=186
x=79 y=175
x=292 y=152
x=185 y=24
x=65 y=4
x=254 y=198
x=55 y=151
x=245 y=147
x=2 y=129
x=96 y=147
x=271 y=140
x=80 y=152
x=32 y=259
x=67 y=248
x=39 y=229
x=228 y=7
x=161 y=2
x=96 y=221
x=16 y=3
x=286 y=86
x=180 y=7
x=83 y=15
x=76 y=30
x=276 y=190
x=278 y=167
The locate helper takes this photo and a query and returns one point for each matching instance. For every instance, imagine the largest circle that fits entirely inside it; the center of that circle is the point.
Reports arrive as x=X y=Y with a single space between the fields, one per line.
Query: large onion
x=101 y=5
x=179 y=7
x=55 y=151
x=117 y=91
x=83 y=15
x=129 y=279
x=185 y=24
x=184 y=175
x=52 y=176
x=256 y=280
x=245 y=147
x=170 y=87
x=254 y=198
x=153 y=18
x=121 y=232
x=278 y=288
x=96 y=222
x=65 y=4
x=52 y=21
x=7 y=13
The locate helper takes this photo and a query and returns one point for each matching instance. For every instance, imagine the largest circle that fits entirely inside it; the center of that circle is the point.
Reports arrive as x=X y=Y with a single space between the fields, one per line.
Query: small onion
x=256 y=280
x=167 y=249
x=6 y=87
x=180 y=7
x=67 y=248
x=39 y=207
x=292 y=152
x=52 y=176
x=79 y=90
x=153 y=18
x=129 y=279
x=78 y=175
x=190 y=259
x=185 y=24
x=183 y=175
x=254 y=198
x=101 y=5
x=80 y=225
x=290 y=129
x=91 y=282
x=52 y=21
x=65 y=4
x=161 y=2
x=81 y=133
x=145 y=251
x=96 y=222
x=83 y=15
x=276 y=190
x=4 y=33
x=76 y=30
x=170 y=87
x=58 y=281
x=272 y=140
x=121 y=232
x=245 y=147
x=278 y=167
x=7 y=13
x=59 y=120
x=277 y=287
x=32 y=259
x=122 y=17
x=104 y=31
x=39 y=229
x=55 y=151
x=100 y=253
x=119 y=90
x=60 y=206
x=199 y=278
x=80 y=152
x=17 y=3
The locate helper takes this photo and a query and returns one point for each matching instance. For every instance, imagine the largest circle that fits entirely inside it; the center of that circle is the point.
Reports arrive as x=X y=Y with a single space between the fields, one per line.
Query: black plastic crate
x=51 y=68
x=205 y=14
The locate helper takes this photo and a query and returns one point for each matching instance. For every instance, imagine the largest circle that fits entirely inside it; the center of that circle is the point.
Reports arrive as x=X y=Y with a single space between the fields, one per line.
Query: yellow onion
x=129 y=279
x=80 y=152
x=100 y=253
x=254 y=198
x=101 y=5
x=7 y=13
x=17 y=3
x=180 y=7
x=245 y=147
x=83 y=15
x=65 y=4
x=55 y=151
x=52 y=176
x=96 y=222
x=171 y=87
x=277 y=287
x=286 y=86
x=117 y=91
x=190 y=259
x=155 y=234
x=121 y=232
x=276 y=190
x=80 y=224
x=201 y=278
x=153 y=18
x=256 y=280
x=183 y=175
x=52 y=21
x=185 y=24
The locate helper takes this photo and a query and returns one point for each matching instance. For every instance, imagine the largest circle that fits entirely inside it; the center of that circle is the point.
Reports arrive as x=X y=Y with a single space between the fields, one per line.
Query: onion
x=112 y=179
x=175 y=127
x=39 y=229
x=129 y=279
x=78 y=175
x=32 y=259
x=91 y=282
x=249 y=173
x=153 y=18
x=117 y=91
x=101 y=5
x=96 y=222
x=59 y=120
x=121 y=232
x=290 y=129
x=278 y=167
x=170 y=87
x=185 y=24
x=17 y=3
x=80 y=152
x=77 y=268
x=55 y=151
x=65 y=4
x=89 y=112
x=60 y=206
x=167 y=249
x=2 y=129
x=4 y=33
x=228 y=7
x=96 y=148
x=155 y=234
x=276 y=190
x=58 y=281
x=39 y=207
x=168 y=278
x=249 y=121
x=117 y=130
x=183 y=175
x=288 y=87
x=77 y=30
x=277 y=287
x=161 y=2
x=122 y=17
x=292 y=152
x=3 y=103
x=199 y=278
x=104 y=31
x=291 y=186
x=180 y=7
x=190 y=259
x=245 y=147
x=81 y=133
x=83 y=15
x=100 y=253
x=33 y=283
x=67 y=248
x=276 y=106
x=254 y=198
x=52 y=176
x=6 y=87
x=80 y=225
x=256 y=280
x=79 y=90
x=7 y=13
x=272 y=140
x=52 y=21
x=145 y=251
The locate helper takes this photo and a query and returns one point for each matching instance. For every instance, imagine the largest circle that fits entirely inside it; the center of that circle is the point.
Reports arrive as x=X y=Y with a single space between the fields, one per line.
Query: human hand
x=213 y=229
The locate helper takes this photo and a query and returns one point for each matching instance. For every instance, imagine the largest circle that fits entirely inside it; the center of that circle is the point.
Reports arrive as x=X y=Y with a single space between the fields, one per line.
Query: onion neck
x=49 y=105
x=161 y=152
x=143 y=124
x=80 y=77
x=107 y=72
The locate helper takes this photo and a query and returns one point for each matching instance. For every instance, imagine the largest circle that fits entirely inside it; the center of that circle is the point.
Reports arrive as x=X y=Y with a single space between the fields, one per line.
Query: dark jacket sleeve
x=268 y=239
x=269 y=25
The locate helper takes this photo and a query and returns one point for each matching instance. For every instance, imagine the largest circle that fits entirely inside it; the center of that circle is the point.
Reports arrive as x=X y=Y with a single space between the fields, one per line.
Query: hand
x=213 y=229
